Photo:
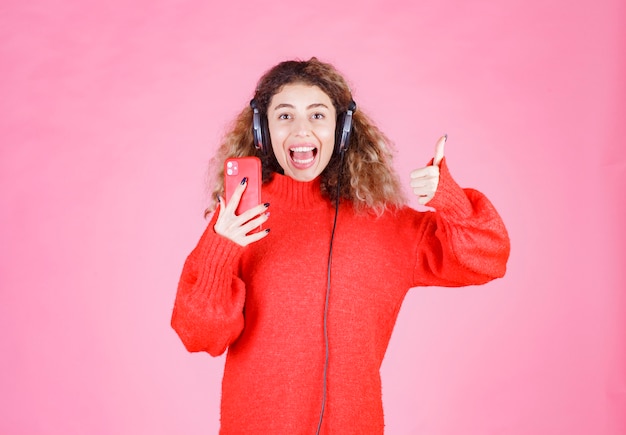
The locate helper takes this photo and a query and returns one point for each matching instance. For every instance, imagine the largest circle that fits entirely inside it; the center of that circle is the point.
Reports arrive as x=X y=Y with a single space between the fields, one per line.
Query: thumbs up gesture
x=424 y=181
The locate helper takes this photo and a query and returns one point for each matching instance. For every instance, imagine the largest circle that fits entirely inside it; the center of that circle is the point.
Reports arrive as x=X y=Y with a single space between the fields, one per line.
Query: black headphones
x=260 y=130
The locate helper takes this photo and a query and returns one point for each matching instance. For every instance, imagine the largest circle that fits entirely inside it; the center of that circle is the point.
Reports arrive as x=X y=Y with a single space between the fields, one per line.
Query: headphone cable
x=330 y=262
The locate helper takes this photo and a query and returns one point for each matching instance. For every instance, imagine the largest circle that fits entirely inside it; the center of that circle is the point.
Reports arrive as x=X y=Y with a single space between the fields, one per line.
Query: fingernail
x=267 y=204
x=244 y=180
x=445 y=136
x=267 y=230
x=218 y=199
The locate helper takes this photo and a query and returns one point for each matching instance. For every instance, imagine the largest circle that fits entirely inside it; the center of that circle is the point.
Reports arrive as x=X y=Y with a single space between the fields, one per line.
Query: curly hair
x=365 y=173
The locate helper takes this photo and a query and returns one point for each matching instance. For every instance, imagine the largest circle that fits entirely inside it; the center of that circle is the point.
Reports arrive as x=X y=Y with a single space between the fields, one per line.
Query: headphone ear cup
x=343 y=129
x=265 y=135
x=339 y=133
x=259 y=128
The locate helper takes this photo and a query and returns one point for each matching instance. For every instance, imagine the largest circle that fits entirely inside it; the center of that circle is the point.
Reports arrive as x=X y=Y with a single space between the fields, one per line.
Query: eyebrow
x=291 y=106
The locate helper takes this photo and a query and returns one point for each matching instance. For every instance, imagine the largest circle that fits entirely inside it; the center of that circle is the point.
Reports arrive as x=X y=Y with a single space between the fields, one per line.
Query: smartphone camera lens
x=231 y=168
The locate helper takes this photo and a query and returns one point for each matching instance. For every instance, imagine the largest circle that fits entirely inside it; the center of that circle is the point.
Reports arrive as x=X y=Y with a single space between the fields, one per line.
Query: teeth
x=303 y=162
x=302 y=149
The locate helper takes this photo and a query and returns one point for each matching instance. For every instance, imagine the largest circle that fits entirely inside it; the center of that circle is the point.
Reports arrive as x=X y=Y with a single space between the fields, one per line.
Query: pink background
x=109 y=112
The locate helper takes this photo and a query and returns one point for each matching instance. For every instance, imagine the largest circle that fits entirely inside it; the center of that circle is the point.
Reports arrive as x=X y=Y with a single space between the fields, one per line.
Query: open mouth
x=303 y=156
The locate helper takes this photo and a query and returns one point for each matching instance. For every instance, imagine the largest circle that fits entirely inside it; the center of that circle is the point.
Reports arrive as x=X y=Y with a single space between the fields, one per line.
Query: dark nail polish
x=267 y=230
x=244 y=180
x=267 y=204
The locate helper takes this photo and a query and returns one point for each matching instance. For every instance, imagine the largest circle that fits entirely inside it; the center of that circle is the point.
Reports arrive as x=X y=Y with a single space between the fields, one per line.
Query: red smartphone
x=235 y=169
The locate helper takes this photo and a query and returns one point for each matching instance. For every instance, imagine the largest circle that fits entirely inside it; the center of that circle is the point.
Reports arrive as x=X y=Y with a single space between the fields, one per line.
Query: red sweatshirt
x=265 y=302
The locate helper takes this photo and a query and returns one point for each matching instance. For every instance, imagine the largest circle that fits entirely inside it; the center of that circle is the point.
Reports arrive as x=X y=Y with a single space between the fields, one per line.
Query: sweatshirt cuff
x=450 y=198
x=219 y=256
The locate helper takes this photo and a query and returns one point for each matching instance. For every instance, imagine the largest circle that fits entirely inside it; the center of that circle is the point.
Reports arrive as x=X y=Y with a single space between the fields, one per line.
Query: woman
x=306 y=307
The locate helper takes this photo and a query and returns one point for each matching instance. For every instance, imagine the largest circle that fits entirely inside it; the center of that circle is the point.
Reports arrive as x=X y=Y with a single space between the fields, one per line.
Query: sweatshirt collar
x=301 y=194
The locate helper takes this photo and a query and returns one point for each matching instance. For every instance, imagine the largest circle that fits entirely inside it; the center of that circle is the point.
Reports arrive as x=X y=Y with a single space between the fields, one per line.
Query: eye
x=318 y=116
x=284 y=116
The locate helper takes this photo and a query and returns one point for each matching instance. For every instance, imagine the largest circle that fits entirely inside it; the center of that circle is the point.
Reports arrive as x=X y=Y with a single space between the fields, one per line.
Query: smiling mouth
x=302 y=155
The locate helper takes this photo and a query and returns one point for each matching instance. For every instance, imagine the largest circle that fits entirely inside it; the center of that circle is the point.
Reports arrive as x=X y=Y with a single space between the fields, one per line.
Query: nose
x=302 y=128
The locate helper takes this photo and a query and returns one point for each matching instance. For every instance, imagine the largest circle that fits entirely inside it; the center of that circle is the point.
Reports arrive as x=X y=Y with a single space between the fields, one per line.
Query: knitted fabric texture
x=265 y=302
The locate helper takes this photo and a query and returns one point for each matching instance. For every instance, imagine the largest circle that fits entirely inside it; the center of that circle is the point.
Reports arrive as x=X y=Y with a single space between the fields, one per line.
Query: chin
x=302 y=175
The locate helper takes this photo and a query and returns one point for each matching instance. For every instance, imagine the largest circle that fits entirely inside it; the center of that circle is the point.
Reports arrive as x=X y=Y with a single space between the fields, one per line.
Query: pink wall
x=109 y=113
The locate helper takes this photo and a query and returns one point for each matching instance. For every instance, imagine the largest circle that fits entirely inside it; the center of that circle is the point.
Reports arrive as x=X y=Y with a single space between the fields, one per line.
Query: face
x=301 y=120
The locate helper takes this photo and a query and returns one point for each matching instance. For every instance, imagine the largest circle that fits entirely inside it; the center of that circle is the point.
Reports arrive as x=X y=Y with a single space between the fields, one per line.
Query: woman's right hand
x=237 y=228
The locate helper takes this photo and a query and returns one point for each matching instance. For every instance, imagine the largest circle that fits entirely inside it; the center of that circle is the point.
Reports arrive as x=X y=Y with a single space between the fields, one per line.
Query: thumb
x=439 y=150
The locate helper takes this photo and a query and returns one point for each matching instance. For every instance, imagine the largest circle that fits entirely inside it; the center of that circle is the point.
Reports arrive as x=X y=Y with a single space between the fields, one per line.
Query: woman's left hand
x=424 y=181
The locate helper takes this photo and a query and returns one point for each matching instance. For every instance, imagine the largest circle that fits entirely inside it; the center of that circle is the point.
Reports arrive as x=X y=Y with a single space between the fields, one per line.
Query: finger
x=428 y=171
x=425 y=186
x=425 y=189
x=439 y=150
x=222 y=207
x=254 y=237
x=253 y=212
x=235 y=198
x=254 y=224
x=245 y=234
x=423 y=200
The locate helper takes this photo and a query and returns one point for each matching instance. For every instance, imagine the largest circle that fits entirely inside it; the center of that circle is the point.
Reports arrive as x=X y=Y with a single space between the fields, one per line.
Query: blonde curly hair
x=367 y=177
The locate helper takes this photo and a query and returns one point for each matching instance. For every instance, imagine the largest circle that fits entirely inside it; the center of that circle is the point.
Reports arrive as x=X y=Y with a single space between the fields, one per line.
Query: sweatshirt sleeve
x=208 y=309
x=464 y=242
